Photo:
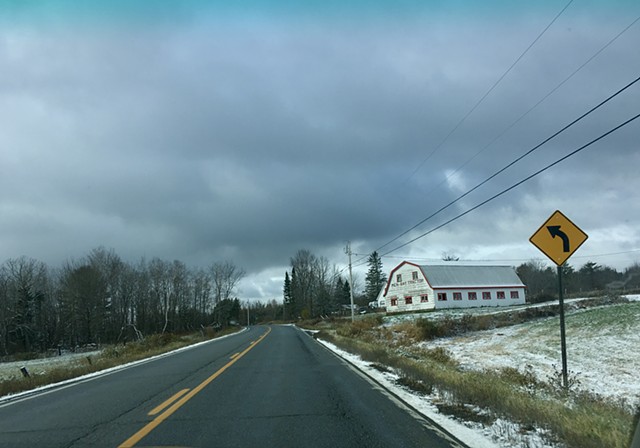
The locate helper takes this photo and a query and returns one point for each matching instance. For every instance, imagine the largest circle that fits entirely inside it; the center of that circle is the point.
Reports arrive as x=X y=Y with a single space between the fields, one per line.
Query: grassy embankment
x=110 y=356
x=575 y=418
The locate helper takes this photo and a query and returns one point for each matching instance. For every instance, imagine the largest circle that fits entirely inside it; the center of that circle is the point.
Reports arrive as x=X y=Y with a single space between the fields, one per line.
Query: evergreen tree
x=346 y=293
x=295 y=295
x=375 y=279
x=287 y=299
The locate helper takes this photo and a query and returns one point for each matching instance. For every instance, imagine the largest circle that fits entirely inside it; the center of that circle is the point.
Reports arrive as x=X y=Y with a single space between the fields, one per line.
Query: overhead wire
x=492 y=260
x=581 y=117
x=551 y=92
x=487 y=93
x=531 y=176
x=464 y=118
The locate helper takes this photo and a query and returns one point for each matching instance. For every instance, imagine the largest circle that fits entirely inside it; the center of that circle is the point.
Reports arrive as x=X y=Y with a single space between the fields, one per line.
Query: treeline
x=102 y=299
x=591 y=278
x=313 y=288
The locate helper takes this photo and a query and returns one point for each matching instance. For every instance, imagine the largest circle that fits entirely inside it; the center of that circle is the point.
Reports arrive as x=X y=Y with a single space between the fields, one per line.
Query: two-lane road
x=269 y=386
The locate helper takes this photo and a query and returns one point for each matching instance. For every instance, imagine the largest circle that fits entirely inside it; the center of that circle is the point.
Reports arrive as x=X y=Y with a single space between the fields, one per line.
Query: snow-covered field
x=603 y=349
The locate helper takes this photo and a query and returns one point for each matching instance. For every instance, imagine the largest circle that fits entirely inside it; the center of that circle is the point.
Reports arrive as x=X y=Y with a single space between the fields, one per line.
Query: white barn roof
x=452 y=276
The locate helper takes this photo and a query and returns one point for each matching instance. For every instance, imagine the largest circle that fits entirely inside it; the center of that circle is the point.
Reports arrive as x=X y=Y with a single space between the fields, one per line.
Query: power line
x=492 y=260
x=464 y=118
x=607 y=255
x=516 y=184
x=551 y=92
x=514 y=161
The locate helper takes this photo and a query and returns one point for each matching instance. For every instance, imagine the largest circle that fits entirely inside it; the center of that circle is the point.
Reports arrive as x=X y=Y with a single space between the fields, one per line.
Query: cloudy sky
x=205 y=132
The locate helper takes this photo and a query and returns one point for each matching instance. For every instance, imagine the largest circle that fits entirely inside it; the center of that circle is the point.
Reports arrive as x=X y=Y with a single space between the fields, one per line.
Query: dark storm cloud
x=248 y=137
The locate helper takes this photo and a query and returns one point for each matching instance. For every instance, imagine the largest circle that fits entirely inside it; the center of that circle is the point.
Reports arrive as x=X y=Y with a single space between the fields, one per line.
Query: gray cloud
x=249 y=137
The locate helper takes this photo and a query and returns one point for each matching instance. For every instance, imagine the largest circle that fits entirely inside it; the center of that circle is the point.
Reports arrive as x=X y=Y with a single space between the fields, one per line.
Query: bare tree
x=311 y=285
x=117 y=292
x=161 y=288
x=446 y=256
x=180 y=293
x=83 y=294
x=302 y=281
x=322 y=286
x=25 y=295
x=5 y=313
x=201 y=292
x=225 y=277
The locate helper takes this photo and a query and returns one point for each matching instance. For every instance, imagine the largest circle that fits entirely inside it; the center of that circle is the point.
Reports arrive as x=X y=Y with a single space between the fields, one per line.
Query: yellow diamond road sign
x=558 y=238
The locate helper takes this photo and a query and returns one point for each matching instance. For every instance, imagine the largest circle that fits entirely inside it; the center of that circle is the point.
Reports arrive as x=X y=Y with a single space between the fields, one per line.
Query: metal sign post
x=558 y=238
x=563 y=339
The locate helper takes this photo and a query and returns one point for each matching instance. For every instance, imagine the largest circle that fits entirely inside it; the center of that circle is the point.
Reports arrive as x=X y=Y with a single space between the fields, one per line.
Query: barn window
x=515 y=295
x=394 y=301
x=398 y=278
x=414 y=275
x=457 y=296
x=472 y=296
x=442 y=296
x=486 y=295
x=424 y=298
x=408 y=300
x=500 y=295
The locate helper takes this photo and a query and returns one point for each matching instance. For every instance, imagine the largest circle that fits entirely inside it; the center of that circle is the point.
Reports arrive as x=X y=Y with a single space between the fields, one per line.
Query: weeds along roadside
x=110 y=356
x=575 y=419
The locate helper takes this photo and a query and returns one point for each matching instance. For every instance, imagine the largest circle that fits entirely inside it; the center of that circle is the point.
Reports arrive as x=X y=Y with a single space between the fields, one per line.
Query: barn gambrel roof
x=443 y=276
x=460 y=276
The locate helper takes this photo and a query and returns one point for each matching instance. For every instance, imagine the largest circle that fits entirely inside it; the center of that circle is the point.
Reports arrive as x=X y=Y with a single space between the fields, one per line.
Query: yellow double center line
x=131 y=441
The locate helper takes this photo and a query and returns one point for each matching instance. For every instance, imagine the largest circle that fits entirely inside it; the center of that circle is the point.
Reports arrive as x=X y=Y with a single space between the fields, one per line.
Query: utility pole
x=347 y=250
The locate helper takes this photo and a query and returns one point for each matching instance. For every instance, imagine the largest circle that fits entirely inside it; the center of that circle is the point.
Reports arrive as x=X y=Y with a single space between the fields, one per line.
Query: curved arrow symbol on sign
x=555 y=231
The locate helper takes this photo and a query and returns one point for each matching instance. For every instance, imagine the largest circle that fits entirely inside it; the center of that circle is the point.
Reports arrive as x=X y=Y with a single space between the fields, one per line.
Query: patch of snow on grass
x=602 y=350
x=9 y=370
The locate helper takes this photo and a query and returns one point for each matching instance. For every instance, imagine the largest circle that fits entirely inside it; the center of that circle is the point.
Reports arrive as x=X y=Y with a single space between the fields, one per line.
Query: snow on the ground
x=456 y=313
x=602 y=350
x=9 y=370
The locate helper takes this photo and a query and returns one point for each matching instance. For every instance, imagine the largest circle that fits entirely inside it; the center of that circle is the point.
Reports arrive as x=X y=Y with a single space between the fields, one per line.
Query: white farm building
x=412 y=287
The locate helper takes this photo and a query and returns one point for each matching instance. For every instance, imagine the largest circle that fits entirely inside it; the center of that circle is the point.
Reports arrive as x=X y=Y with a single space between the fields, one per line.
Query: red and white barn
x=412 y=287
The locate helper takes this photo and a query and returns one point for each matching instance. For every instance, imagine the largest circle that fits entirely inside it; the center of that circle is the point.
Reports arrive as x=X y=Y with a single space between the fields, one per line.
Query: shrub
x=415 y=385
x=525 y=379
x=441 y=355
x=428 y=329
x=358 y=327
x=25 y=356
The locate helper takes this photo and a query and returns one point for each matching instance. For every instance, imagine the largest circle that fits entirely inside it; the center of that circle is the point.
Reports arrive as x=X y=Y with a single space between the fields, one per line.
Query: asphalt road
x=266 y=387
